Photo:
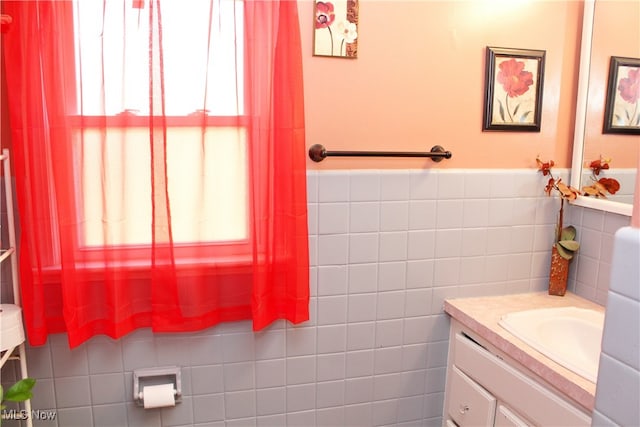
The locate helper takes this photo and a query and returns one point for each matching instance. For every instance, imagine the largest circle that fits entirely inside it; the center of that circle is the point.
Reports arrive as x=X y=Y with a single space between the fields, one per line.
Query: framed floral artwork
x=513 y=89
x=336 y=28
x=621 y=110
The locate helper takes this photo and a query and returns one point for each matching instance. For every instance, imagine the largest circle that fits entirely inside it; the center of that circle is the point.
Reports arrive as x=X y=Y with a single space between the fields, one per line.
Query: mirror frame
x=581 y=118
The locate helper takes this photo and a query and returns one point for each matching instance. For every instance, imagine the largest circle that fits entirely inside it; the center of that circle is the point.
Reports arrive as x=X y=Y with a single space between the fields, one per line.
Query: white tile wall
x=590 y=270
x=386 y=248
x=618 y=389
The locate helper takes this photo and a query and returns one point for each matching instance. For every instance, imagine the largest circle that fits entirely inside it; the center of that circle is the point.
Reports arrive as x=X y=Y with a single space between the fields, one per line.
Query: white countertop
x=481 y=315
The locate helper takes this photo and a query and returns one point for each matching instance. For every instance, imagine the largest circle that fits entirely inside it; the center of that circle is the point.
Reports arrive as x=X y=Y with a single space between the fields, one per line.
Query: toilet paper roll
x=158 y=396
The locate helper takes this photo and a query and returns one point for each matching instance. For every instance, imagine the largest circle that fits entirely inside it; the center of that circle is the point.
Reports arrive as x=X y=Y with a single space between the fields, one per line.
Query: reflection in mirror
x=599 y=44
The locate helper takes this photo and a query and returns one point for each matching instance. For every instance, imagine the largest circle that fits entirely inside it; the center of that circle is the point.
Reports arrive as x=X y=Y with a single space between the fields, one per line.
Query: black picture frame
x=525 y=71
x=622 y=116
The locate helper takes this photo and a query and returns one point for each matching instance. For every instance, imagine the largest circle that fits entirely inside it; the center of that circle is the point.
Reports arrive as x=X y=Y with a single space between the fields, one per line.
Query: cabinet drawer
x=506 y=418
x=523 y=394
x=469 y=403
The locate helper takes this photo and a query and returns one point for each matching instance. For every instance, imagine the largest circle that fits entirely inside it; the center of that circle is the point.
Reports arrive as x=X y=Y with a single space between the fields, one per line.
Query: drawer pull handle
x=463 y=409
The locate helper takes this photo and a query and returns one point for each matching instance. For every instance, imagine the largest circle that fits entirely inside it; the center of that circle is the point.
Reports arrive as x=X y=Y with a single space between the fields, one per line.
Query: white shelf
x=6 y=253
x=11 y=326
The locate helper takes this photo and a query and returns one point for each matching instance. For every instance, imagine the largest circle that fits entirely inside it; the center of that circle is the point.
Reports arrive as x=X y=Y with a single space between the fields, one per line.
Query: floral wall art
x=513 y=97
x=336 y=28
x=622 y=112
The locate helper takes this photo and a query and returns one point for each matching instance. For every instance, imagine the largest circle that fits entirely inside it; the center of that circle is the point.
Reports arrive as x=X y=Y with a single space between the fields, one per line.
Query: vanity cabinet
x=486 y=388
x=469 y=404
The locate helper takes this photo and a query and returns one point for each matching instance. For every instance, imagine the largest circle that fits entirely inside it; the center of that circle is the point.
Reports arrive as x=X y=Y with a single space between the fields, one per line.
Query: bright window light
x=124 y=61
x=206 y=169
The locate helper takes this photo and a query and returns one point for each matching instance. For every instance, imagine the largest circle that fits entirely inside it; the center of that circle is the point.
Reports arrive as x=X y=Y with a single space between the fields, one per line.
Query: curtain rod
x=318 y=153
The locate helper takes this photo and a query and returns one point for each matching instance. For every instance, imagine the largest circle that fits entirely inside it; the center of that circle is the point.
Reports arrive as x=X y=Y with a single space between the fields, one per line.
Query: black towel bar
x=318 y=153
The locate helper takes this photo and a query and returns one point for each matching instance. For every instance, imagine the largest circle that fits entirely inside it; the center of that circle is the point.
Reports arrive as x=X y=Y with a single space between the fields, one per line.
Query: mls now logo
x=15 y=414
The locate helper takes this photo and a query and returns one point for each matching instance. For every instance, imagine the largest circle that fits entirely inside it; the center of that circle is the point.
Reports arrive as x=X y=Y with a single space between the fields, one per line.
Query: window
x=112 y=57
x=205 y=141
x=191 y=219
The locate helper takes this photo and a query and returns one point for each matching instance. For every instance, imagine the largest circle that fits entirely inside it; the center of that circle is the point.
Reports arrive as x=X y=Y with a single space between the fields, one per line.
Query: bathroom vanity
x=493 y=378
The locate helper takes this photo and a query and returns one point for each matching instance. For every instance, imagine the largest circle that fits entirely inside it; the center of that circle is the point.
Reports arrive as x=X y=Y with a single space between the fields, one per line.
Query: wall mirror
x=610 y=28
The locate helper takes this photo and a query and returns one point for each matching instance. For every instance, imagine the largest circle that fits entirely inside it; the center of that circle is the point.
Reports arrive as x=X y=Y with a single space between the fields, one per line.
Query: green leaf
x=564 y=253
x=501 y=111
x=524 y=116
x=570 y=245
x=568 y=233
x=618 y=120
x=20 y=391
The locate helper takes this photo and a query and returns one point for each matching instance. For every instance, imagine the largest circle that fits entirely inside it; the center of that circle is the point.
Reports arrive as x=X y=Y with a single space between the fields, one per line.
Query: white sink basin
x=569 y=336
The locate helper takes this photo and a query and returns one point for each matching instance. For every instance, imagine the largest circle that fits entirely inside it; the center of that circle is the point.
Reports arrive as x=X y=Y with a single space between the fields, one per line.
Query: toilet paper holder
x=156 y=376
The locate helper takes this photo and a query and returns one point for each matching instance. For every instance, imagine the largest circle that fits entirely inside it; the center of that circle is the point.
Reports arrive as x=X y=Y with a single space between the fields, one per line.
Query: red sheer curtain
x=158 y=217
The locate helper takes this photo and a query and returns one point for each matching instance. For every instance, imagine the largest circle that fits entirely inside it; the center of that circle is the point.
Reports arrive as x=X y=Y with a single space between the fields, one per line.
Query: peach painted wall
x=624 y=17
x=418 y=81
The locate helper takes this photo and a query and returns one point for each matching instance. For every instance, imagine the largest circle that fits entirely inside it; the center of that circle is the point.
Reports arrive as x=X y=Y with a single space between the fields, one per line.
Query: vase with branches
x=565 y=245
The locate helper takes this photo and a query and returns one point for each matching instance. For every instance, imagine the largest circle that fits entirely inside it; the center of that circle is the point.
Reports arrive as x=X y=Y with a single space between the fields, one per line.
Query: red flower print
x=515 y=82
x=513 y=78
x=629 y=87
x=324 y=14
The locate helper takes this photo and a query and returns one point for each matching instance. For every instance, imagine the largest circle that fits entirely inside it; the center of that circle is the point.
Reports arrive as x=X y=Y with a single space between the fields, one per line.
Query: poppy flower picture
x=513 y=95
x=336 y=28
x=622 y=107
